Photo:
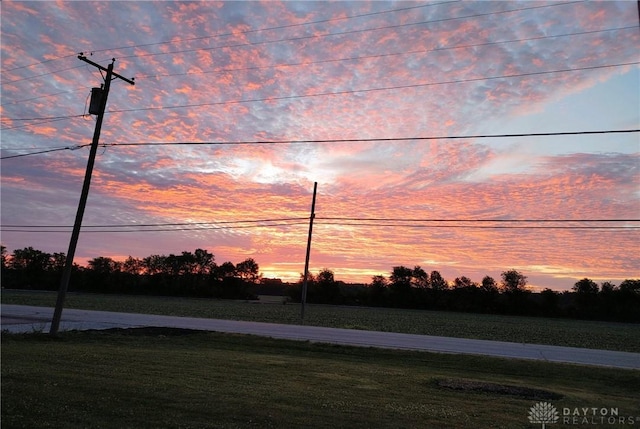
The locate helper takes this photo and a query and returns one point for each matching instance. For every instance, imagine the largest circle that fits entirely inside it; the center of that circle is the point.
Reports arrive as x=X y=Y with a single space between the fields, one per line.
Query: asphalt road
x=19 y=318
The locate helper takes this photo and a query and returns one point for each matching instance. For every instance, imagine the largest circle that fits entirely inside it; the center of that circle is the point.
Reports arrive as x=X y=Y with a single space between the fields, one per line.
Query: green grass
x=532 y=330
x=184 y=379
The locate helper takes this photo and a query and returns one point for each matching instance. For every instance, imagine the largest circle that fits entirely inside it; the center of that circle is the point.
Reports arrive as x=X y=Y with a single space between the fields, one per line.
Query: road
x=19 y=318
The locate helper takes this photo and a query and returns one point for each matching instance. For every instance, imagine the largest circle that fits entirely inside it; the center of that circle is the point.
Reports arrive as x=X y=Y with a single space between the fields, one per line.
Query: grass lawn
x=532 y=330
x=152 y=378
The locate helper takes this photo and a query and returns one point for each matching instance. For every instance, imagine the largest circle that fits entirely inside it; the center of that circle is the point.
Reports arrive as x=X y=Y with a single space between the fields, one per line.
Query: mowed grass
x=532 y=330
x=184 y=379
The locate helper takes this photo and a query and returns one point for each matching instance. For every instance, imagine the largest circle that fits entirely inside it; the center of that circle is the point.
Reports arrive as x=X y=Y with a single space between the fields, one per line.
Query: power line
x=39 y=62
x=42 y=74
x=563 y=220
x=389 y=88
x=45 y=96
x=333 y=60
x=386 y=27
x=280 y=27
x=128 y=228
x=210 y=37
x=302 y=37
x=368 y=140
x=34 y=124
x=45 y=151
x=198 y=228
x=137 y=225
x=44 y=118
x=612 y=228
x=366 y=57
x=365 y=140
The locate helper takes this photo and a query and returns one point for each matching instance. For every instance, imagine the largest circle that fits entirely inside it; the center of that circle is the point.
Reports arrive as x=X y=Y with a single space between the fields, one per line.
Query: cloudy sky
x=256 y=101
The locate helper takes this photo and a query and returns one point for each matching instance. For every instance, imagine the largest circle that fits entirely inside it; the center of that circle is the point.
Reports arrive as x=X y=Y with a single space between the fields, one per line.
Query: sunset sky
x=242 y=93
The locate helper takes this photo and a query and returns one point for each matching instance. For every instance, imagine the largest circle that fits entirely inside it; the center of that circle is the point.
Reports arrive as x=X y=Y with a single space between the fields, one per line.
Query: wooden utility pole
x=303 y=298
x=75 y=234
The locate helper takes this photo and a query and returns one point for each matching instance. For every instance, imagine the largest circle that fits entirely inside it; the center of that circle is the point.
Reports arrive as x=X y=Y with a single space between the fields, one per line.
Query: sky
x=254 y=102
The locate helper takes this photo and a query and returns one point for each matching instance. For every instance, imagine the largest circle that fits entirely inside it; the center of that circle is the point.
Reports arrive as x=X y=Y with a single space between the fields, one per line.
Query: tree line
x=196 y=274
x=416 y=289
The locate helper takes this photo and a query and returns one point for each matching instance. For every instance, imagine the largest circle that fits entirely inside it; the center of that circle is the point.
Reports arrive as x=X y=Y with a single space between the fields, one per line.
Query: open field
x=562 y=332
x=151 y=378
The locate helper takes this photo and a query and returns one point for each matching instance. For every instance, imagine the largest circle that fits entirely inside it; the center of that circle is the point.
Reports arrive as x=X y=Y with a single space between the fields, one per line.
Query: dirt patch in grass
x=495 y=389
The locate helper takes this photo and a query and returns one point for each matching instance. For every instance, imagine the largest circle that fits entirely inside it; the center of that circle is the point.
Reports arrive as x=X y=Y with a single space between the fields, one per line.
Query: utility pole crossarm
x=86 y=60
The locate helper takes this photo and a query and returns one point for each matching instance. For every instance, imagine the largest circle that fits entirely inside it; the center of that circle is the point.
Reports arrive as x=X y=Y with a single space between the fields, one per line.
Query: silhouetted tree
x=378 y=290
x=3 y=257
x=104 y=265
x=586 y=287
x=154 y=264
x=437 y=282
x=631 y=286
x=204 y=262
x=549 y=302
x=513 y=281
x=607 y=287
x=462 y=282
x=248 y=270
x=420 y=278
x=489 y=285
x=133 y=266
x=326 y=289
x=226 y=270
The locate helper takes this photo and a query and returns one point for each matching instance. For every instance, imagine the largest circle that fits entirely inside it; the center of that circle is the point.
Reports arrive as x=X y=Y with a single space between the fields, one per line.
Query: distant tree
x=437 y=282
x=489 y=284
x=204 y=262
x=154 y=264
x=226 y=270
x=182 y=264
x=31 y=269
x=3 y=257
x=58 y=261
x=607 y=287
x=513 y=281
x=630 y=286
x=30 y=259
x=420 y=278
x=326 y=289
x=104 y=265
x=462 y=282
x=585 y=286
x=549 y=302
x=379 y=282
x=248 y=270
x=401 y=277
x=133 y=266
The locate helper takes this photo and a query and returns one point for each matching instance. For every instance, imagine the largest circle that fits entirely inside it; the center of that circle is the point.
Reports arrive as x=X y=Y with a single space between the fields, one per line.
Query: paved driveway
x=19 y=318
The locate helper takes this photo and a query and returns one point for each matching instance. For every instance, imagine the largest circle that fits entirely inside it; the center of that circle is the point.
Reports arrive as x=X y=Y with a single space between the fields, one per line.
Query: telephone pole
x=303 y=296
x=102 y=104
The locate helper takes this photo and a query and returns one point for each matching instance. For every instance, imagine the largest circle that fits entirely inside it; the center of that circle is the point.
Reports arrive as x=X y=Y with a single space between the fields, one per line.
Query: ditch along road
x=21 y=319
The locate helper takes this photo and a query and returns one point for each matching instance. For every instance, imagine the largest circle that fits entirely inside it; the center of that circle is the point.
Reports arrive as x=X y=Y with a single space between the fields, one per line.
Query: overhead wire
x=386 y=27
x=367 y=90
x=333 y=60
x=175 y=41
x=314 y=36
x=336 y=221
x=279 y=27
x=392 y=54
x=161 y=227
x=363 y=140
